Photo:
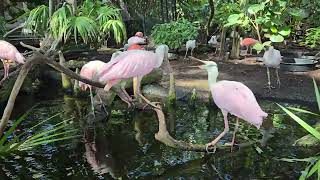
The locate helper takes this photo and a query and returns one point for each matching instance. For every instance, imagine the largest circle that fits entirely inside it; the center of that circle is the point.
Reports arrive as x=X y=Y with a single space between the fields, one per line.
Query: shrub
x=174 y=34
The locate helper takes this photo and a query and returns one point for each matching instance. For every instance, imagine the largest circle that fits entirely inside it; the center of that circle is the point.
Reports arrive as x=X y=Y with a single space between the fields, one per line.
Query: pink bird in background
x=9 y=54
x=134 y=63
x=234 y=98
x=248 y=42
x=272 y=58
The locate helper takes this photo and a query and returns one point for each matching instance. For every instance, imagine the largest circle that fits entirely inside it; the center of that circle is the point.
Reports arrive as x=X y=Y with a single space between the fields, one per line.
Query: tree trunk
x=124 y=9
x=235 y=51
x=211 y=4
x=51 y=7
x=223 y=42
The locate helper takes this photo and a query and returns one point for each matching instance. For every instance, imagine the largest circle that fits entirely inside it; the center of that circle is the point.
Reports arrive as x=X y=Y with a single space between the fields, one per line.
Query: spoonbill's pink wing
x=238 y=99
x=129 y=64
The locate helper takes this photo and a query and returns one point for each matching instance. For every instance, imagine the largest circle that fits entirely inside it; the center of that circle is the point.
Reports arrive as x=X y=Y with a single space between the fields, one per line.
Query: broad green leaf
x=267 y=43
x=255 y=8
x=306 y=126
x=285 y=31
x=233 y=18
x=299 y=13
x=258 y=46
x=276 y=38
x=274 y=29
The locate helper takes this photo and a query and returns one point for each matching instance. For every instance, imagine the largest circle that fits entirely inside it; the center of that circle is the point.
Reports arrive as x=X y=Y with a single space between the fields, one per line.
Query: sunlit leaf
x=276 y=38
x=255 y=8
x=285 y=31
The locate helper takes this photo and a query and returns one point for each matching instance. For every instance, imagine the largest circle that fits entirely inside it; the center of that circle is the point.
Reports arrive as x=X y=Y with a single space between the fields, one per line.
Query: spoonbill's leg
x=234 y=133
x=91 y=98
x=247 y=50
x=226 y=129
x=185 y=56
x=278 y=79
x=268 y=74
x=192 y=51
x=250 y=50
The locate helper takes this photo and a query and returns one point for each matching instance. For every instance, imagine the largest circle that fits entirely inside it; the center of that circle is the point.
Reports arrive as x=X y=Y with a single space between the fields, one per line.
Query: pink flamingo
x=134 y=63
x=272 y=58
x=234 y=98
x=248 y=42
x=9 y=54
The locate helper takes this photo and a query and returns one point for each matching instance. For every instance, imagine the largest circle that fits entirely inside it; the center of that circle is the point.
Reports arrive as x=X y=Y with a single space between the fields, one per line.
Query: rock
x=309 y=140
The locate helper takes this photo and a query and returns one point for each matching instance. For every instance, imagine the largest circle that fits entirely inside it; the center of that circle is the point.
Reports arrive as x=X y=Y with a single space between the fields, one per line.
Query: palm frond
x=60 y=21
x=117 y=28
x=86 y=27
x=106 y=13
x=38 y=19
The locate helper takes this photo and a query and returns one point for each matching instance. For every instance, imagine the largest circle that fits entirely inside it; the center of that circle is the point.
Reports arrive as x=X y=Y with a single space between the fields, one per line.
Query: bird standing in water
x=134 y=63
x=9 y=54
x=248 y=42
x=272 y=58
x=234 y=98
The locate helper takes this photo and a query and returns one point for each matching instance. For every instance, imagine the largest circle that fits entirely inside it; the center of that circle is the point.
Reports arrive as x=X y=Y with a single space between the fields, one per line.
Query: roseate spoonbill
x=139 y=34
x=272 y=58
x=134 y=63
x=137 y=39
x=190 y=44
x=135 y=47
x=214 y=42
x=234 y=98
x=248 y=42
x=9 y=54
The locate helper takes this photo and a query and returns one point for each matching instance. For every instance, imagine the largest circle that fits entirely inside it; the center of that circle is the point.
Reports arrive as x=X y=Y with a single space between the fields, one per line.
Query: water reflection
x=98 y=153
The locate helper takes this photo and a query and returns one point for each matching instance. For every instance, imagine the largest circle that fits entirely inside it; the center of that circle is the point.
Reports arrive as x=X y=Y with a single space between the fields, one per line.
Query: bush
x=313 y=37
x=174 y=34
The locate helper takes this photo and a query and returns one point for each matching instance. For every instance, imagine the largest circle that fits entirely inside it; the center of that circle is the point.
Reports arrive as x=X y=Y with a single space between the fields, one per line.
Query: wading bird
x=190 y=44
x=137 y=39
x=234 y=98
x=248 y=42
x=9 y=54
x=272 y=58
x=134 y=63
x=214 y=42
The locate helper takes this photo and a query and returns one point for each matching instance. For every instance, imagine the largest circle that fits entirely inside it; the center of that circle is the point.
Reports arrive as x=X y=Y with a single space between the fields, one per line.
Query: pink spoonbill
x=272 y=58
x=9 y=54
x=248 y=42
x=134 y=63
x=234 y=98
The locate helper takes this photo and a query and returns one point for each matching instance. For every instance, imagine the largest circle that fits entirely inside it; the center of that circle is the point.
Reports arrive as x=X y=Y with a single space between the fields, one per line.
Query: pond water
x=124 y=146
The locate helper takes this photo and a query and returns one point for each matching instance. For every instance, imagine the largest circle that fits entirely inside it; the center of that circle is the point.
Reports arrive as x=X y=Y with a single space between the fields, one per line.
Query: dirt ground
x=295 y=87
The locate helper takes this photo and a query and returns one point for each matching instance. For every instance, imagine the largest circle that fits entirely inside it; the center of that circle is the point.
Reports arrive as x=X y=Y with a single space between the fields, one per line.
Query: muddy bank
x=295 y=87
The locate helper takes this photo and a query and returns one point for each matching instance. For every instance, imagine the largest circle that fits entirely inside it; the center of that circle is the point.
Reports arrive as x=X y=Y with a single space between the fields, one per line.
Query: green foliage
x=224 y=10
x=174 y=34
x=312 y=37
x=313 y=162
x=2 y=26
x=39 y=137
x=38 y=19
x=93 y=22
x=269 y=18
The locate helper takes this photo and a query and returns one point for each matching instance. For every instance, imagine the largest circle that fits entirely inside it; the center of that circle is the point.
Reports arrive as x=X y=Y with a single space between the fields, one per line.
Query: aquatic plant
x=24 y=141
x=313 y=162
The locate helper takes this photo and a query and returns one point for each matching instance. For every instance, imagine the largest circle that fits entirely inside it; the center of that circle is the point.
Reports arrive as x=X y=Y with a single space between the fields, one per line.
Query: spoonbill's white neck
x=212 y=75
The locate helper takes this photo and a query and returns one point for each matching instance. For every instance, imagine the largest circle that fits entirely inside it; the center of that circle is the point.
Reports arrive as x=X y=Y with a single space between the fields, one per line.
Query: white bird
x=272 y=58
x=191 y=44
x=214 y=42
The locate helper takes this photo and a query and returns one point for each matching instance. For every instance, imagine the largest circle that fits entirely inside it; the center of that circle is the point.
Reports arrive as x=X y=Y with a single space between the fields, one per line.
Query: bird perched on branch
x=8 y=55
x=134 y=63
x=234 y=98
x=272 y=58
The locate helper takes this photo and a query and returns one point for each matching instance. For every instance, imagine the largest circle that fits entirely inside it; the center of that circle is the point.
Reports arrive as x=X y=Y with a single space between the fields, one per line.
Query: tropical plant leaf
x=303 y=111
x=38 y=19
x=276 y=38
x=316 y=90
x=306 y=126
x=86 y=27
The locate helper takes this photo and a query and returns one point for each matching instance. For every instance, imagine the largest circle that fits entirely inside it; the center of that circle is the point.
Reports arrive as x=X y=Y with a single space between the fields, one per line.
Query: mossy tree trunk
x=223 y=42
x=235 y=51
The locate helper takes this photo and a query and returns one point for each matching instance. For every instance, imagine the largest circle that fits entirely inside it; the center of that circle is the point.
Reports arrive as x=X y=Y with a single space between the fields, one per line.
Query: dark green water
x=124 y=146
